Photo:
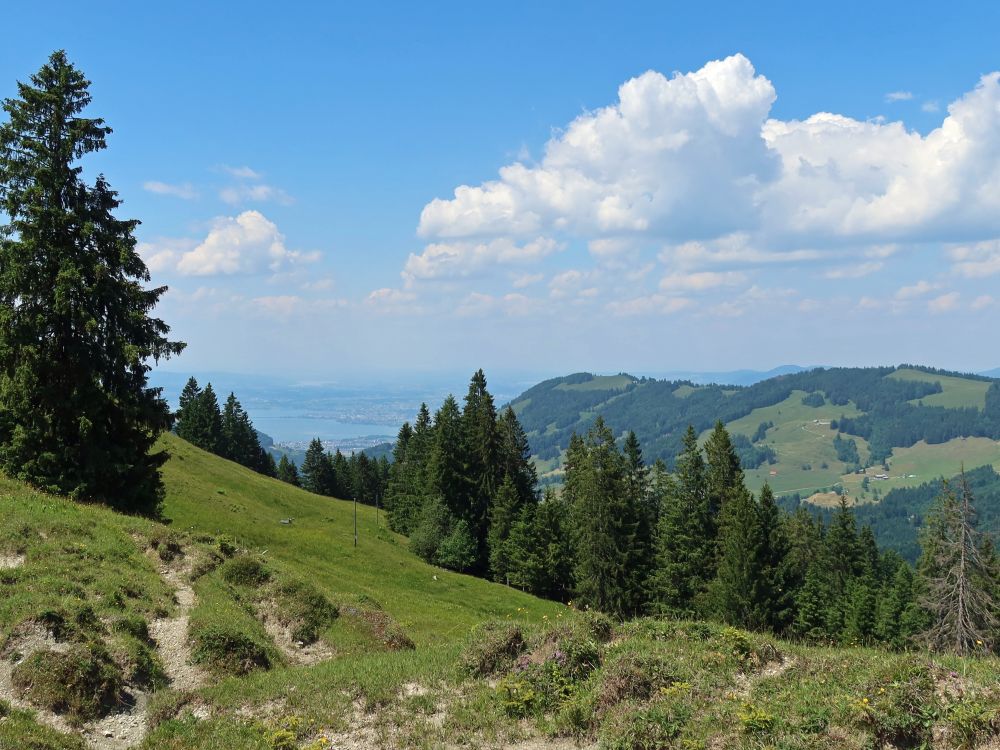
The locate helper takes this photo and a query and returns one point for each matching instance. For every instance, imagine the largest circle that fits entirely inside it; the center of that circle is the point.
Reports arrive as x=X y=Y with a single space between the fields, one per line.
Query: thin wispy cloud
x=185 y=191
x=898 y=96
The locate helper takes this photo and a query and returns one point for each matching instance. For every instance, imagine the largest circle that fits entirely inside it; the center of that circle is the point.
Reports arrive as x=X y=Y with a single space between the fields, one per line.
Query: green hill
x=250 y=620
x=785 y=426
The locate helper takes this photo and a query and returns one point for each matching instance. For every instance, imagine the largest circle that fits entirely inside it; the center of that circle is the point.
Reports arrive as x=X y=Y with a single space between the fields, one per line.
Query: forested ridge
x=630 y=537
x=659 y=411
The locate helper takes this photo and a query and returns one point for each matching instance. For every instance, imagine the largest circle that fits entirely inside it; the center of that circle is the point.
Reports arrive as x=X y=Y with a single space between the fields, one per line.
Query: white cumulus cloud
x=449 y=260
x=243 y=244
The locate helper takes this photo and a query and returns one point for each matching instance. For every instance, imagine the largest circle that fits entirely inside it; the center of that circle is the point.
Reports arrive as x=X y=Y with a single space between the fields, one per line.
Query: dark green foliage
x=76 y=334
x=761 y=432
x=685 y=544
x=318 y=473
x=605 y=522
x=847 y=450
x=540 y=548
x=659 y=417
x=304 y=609
x=814 y=399
x=199 y=420
x=83 y=681
x=245 y=570
x=752 y=456
x=741 y=554
x=458 y=548
x=287 y=472
x=229 y=650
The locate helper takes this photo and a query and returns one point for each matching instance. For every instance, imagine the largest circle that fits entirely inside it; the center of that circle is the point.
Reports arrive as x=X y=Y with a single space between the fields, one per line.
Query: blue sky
x=541 y=187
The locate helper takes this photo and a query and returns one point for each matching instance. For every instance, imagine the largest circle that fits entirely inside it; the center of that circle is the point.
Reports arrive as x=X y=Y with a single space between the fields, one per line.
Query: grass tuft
x=83 y=681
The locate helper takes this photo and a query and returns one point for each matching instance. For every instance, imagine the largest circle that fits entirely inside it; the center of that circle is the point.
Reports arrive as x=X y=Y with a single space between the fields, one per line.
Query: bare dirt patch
x=10 y=561
x=297 y=652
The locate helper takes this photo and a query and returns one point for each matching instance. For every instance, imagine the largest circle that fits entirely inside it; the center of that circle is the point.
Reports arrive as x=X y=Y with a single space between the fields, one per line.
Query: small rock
x=109 y=734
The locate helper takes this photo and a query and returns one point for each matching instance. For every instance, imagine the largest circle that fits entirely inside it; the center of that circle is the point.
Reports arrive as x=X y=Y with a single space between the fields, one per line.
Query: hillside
x=194 y=631
x=914 y=419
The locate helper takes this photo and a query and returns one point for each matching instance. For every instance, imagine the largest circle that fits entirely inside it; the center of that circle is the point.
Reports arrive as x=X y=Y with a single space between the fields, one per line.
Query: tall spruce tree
x=515 y=456
x=735 y=590
x=641 y=508
x=317 y=470
x=204 y=421
x=774 y=605
x=685 y=547
x=76 y=333
x=482 y=456
x=604 y=529
x=189 y=394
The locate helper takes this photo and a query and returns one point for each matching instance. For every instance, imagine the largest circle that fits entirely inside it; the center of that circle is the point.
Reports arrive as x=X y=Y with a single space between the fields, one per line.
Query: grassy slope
x=209 y=495
x=77 y=555
x=955 y=392
x=799 y=440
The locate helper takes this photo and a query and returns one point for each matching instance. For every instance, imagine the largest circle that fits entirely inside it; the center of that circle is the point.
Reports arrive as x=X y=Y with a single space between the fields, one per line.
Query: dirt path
x=171 y=634
x=125 y=728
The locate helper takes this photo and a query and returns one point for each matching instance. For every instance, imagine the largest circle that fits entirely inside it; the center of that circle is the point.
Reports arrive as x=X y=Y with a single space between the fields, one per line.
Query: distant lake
x=285 y=426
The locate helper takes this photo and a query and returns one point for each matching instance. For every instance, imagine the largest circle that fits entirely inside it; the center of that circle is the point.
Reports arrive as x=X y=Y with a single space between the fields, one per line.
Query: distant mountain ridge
x=803 y=431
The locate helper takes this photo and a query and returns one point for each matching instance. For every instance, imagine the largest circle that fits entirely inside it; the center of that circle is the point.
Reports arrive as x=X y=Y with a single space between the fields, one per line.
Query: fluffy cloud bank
x=693 y=162
x=245 y=244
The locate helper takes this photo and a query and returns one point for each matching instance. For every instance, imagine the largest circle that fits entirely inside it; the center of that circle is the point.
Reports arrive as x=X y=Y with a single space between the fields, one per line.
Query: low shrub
x=649 y=727
x=226 y=650
x=971 y=720
x=534 y=690
x=899 y=708
x=141 y=665
x=303 y=607
x=491 y=648
x=632 y=677
x=83 y=681
x=245 y=570
x=598 y=625
x=167 y=544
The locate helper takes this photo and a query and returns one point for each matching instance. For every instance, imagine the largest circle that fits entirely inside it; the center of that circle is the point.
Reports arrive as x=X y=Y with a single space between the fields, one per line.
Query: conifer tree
x=811 y=604
x=481 y=453
x=504 y=513
x=287 y=472
x=741 y=551
x=515 y=456
x=772 y=592
x=724 y=475
x=641 y=512
x=407 y=489
x=540 y=548
x=203 y=421
x=603 y=528
x=685 y=547
x=189 y=395
x=959 y=586
x=340 y=476
x=317 y=470
x=894 y=617
x=76 y=333
x=446 y=471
